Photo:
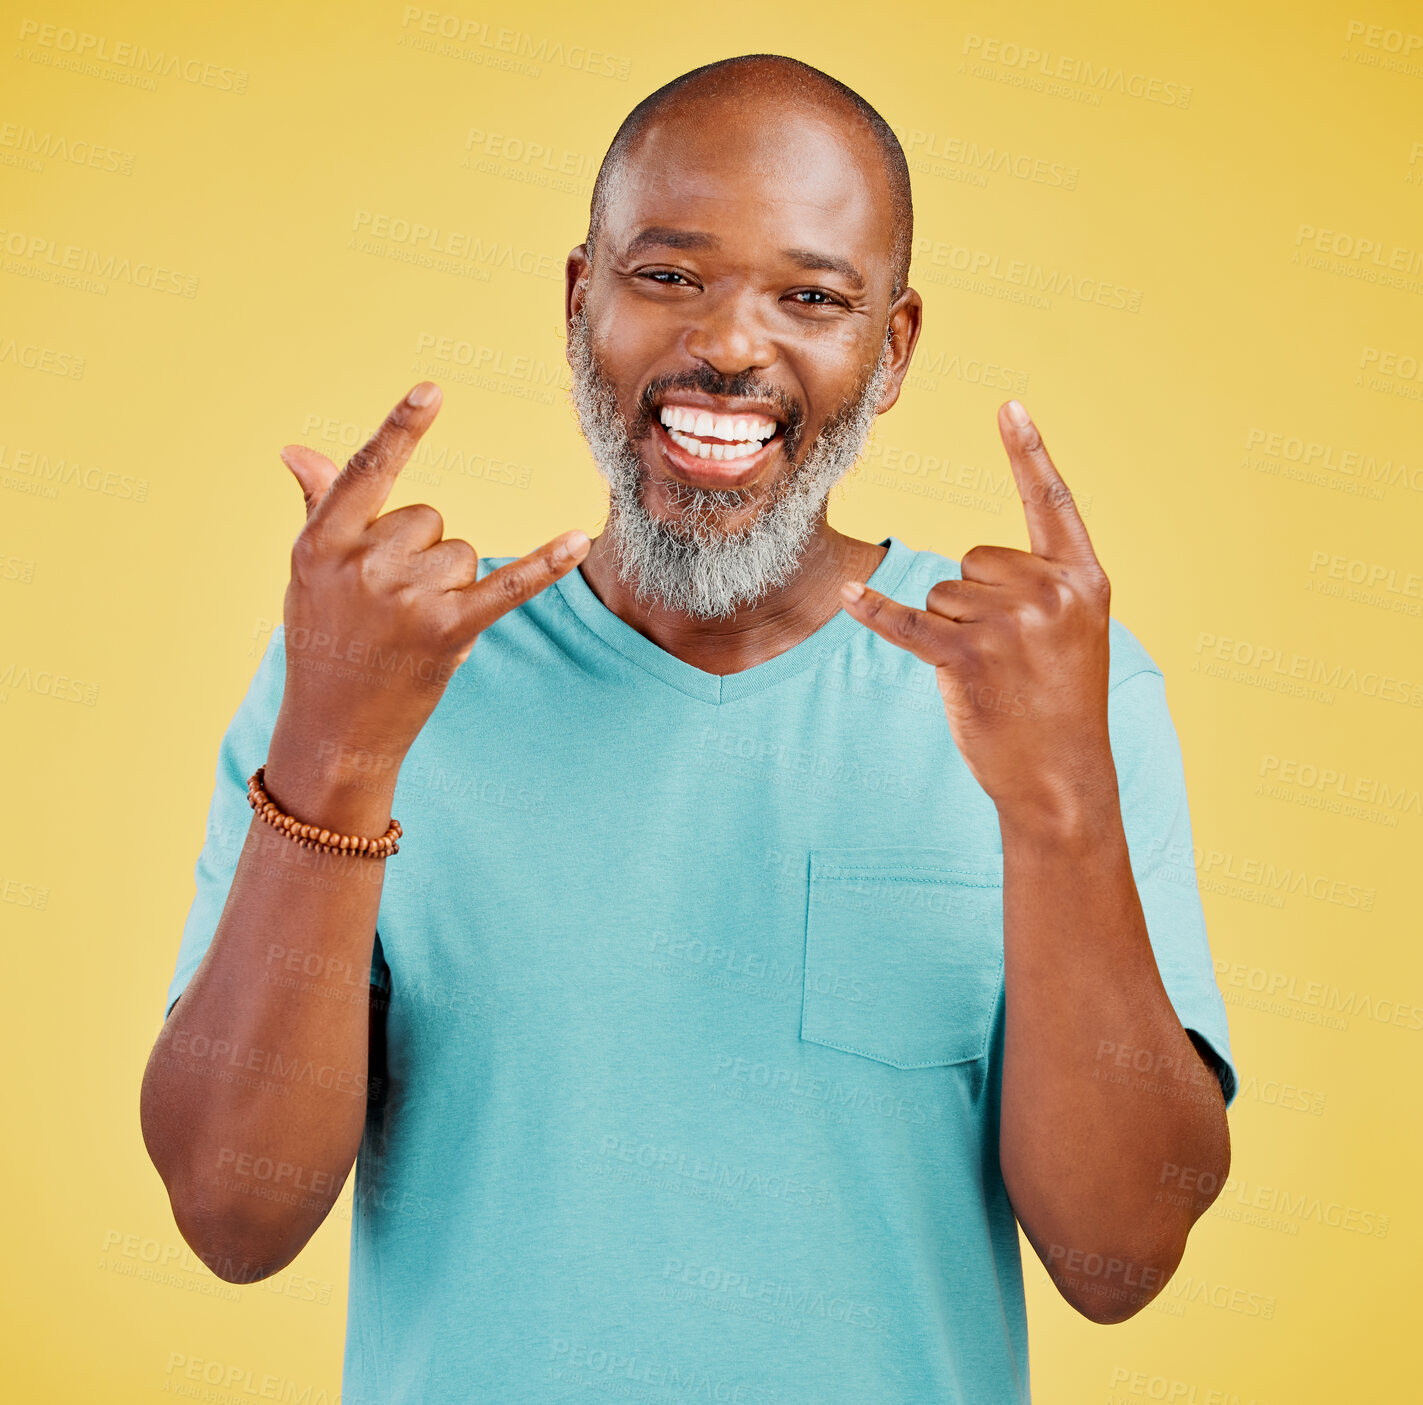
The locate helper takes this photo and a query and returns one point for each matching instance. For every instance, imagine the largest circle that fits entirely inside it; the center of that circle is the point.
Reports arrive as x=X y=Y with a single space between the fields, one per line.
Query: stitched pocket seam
x=939 y=875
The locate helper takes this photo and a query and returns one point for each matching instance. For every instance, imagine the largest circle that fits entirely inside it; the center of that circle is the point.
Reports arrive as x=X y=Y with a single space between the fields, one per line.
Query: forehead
x=752 y=173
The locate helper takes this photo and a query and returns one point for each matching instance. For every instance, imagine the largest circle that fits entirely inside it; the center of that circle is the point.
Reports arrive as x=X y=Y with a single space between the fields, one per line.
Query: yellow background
x=148 y=520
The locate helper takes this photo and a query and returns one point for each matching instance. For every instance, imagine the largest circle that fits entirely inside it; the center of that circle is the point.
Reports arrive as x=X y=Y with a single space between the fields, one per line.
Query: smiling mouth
x=721 y=438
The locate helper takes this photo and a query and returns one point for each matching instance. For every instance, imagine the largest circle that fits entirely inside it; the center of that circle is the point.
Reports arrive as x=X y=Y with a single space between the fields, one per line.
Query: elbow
x=233 y=1244
x=1131 y=1256
x=1106 y=1309
x=1111 y=1282
x=239 y=1238
x=1109 y=1287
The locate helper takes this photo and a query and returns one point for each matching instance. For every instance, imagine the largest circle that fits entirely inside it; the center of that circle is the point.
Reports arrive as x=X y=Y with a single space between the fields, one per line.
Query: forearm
x=254 y=1098
x=1103 y=1090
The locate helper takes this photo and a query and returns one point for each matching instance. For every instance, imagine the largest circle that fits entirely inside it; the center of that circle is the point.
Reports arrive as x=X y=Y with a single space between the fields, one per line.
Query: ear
x=575 y=286
x=906 y=316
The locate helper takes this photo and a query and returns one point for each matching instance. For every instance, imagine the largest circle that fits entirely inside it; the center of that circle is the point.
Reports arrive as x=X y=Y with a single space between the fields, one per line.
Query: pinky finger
x=929 y=637
x=511 y=585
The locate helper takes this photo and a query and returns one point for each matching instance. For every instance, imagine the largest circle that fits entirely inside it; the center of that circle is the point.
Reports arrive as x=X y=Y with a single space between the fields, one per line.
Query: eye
x=660 y=273
x=824 y=298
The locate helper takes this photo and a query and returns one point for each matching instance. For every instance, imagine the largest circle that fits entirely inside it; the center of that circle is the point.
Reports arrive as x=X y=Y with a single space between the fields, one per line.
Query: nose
x=730 y=335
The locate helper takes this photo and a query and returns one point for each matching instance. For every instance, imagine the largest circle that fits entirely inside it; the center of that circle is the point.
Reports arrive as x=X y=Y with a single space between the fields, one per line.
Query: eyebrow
x=808 y=258
x=664 y=237
x=659 y=236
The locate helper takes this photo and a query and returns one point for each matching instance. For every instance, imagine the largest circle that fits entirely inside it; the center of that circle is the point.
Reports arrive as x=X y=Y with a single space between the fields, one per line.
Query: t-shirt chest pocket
x=903 y=953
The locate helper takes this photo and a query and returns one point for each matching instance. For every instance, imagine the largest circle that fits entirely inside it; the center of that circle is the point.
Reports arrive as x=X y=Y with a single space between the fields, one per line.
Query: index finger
x=358 y=492
x=1055 y=527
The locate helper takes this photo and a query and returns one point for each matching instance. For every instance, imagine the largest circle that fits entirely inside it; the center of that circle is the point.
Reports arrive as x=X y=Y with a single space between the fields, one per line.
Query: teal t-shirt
x=695 y=1026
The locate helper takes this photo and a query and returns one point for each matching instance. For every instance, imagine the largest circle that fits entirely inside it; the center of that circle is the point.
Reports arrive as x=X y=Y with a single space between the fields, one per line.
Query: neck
x=755 y=633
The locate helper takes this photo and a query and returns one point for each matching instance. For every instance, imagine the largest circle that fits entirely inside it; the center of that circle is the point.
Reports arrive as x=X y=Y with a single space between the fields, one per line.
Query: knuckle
x=1051 y=495
x=908 y=625
x=311 y=550
x=508 y=587
x=365 y=460
x=1052 y=595
x=941 y=593
x=370 y=569
x=975 y=559
x=379 y=564
x=419 y=585
x=463 y=558
x=1032 y=441
x=997 y=644
x=304 y=551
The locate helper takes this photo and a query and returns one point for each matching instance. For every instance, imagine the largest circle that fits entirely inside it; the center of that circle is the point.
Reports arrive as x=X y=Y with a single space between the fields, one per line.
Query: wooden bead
x=310 y=836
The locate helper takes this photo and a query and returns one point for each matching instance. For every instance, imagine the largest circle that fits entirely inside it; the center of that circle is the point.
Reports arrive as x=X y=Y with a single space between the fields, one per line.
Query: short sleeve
x=243 y=749
x=1152 y=787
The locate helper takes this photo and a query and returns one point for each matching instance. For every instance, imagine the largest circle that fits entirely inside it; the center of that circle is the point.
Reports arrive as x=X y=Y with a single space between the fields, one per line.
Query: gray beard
x=692 y=563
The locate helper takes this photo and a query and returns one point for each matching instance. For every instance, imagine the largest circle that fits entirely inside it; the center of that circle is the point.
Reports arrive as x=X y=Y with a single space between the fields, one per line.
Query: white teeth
x=703 y=450
x=740 y=429
x=739 y=435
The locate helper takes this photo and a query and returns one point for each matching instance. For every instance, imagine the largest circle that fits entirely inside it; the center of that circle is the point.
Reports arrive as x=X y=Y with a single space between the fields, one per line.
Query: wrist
x=332 y=782
x=1082 y=809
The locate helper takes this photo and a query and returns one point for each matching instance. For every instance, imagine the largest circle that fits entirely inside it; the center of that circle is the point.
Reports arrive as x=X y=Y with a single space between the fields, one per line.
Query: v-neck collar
x=638 y=649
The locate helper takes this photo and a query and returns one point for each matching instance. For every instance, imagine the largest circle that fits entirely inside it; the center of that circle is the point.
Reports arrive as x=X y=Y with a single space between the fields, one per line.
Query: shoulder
x=1129 y=655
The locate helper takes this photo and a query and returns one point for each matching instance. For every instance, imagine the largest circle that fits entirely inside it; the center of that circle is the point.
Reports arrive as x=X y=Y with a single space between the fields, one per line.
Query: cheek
x=631 y=348
x=832 y=369
x=619 y=316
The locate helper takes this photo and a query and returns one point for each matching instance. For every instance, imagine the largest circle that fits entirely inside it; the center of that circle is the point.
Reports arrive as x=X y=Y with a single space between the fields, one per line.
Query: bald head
x=763 y=87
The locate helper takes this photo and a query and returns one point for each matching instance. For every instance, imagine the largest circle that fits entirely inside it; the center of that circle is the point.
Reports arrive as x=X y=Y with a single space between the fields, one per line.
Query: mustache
x=743 y=386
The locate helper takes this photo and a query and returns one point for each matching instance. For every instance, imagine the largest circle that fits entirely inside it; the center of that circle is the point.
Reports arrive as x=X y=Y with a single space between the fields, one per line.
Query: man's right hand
x=380 y=610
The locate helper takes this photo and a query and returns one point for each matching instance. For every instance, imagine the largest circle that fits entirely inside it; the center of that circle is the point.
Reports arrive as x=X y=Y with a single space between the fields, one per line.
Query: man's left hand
x=1019 y=646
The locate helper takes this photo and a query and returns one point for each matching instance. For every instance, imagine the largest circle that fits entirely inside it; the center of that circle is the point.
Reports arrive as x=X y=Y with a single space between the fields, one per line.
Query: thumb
x=314 y=472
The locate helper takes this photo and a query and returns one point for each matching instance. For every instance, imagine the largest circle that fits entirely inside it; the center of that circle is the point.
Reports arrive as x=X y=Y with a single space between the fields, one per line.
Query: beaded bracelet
x=311 y=836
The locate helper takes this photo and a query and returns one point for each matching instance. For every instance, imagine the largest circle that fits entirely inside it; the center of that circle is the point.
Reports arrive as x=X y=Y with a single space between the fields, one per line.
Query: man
x=781 y=919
